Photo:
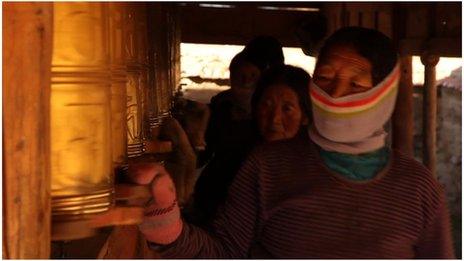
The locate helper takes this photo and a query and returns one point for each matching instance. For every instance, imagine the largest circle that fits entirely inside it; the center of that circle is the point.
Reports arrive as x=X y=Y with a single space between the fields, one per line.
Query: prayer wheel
x=153 y=93
x=136 y=59
x=162 y=61
x=81 y=92
x=118 y=84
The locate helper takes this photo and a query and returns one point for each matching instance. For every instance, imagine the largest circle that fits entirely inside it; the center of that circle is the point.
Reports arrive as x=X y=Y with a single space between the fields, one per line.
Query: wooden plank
x=333 y=12
x=86 y=248
x=403 y=116
x=415 y=22
x=448 y=20
x=207 y=25
x=118 y=216
x=368 y=20
x=385 y=22
x=126 y=192
x=121 y=243
x=26 y=133
x=443 y=47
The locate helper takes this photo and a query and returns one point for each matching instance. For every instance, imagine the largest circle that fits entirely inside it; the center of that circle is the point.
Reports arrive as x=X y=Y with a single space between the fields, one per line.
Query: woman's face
x=245 y=77
x=342 y=71
x=279 y=114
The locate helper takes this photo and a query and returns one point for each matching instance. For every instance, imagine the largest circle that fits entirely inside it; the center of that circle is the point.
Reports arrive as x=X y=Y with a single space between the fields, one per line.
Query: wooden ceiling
x=415 y=27
x=237 y=23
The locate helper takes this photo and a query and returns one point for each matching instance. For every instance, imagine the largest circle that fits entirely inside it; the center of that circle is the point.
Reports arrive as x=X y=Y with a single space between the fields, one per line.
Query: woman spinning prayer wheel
x=338 y=192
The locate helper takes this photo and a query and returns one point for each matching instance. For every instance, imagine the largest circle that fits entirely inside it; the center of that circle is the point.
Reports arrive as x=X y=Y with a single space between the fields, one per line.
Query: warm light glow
x=134 y=111
x=118 y=84
x=216 y=6
x=444 y=68
x=135 y=46
x=81 y=155
x=212 y=61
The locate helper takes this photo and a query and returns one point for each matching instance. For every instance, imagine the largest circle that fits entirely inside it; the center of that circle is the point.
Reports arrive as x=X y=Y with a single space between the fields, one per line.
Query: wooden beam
x=443 y=47
x=118 y=216
x=26 y=133
x=240 y=24
x=403 y=116
x=429 y=133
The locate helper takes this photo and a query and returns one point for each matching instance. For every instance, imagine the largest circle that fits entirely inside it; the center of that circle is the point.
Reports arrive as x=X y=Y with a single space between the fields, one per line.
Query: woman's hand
x=162 y=223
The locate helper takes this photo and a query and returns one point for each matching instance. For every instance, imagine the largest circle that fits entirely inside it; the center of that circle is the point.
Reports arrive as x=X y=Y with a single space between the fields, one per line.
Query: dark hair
x=294 y=77
x=266 y=51
x=371 y=44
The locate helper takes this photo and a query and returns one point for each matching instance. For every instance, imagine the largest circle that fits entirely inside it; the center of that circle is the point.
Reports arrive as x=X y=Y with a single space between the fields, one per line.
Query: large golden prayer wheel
x=136 y=59
x=118 y=83
x=82 y=180
x=164 y=61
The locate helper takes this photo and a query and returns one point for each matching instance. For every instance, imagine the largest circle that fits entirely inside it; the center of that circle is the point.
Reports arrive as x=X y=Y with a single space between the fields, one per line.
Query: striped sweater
x=285 y=204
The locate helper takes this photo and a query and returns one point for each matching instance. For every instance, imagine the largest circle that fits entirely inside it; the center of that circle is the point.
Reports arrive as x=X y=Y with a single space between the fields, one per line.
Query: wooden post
x=403 y=116
x=429 y=111
x=27 y=28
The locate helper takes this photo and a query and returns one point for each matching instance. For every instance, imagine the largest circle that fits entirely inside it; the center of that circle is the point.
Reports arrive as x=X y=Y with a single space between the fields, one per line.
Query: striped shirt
x=284 y=203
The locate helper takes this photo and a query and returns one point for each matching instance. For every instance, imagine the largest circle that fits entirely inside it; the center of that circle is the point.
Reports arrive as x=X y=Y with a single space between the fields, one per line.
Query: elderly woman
x=280 y=109
x=338 y=192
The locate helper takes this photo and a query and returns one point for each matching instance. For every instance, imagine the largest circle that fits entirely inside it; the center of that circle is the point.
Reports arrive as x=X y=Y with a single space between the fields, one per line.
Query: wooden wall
x=27 y=47
x=371 y=15
x=433 y=27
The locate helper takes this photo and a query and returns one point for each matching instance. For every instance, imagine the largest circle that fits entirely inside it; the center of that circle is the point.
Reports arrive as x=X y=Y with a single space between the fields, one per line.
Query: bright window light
x=205 y=67
x=216 y=6
x=444 y=68
x=300 y=9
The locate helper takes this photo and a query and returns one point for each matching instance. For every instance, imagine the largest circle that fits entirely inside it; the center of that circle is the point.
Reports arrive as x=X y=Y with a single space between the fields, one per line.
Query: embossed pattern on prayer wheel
x=136 y=58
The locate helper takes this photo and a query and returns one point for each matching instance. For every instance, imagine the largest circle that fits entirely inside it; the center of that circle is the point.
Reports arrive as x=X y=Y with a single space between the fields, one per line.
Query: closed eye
x=288 y=107
x=357 y=88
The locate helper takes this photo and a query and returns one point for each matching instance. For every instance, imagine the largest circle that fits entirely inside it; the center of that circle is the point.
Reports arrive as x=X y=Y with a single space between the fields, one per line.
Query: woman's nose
x=276 y=116
x=339 y=88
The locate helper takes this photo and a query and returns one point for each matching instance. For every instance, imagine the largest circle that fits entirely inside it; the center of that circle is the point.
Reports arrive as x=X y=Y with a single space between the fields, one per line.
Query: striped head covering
x=354 y=123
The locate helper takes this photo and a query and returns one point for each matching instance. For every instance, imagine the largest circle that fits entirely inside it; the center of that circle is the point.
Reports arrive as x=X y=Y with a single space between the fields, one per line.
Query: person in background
x=338 y=192
x=280 y=110
x=266 y=51
x=229 y=123
x=230 y=133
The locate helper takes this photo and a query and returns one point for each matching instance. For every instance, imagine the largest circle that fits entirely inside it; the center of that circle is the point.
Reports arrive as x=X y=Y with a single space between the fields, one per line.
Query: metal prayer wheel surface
x=161 y=77
x=118 y=84
x=134 y=85
x=82 y=179
x=118 y=119
x=136 y=59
